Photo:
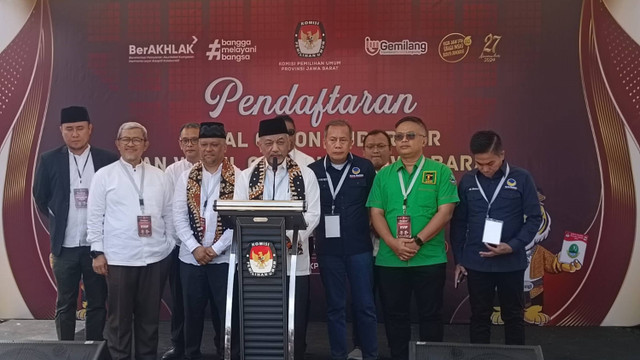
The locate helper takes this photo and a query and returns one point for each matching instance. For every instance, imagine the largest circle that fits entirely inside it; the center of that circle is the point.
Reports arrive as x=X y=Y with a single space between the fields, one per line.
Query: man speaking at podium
x=276 y=176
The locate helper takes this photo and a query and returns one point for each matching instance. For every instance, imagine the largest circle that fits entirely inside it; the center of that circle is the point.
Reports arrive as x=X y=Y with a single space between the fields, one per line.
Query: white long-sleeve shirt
x=173 y=172
x=312 y=196
x=113 y=210
x=76 y=232
x=301 y=158
x=210 y=182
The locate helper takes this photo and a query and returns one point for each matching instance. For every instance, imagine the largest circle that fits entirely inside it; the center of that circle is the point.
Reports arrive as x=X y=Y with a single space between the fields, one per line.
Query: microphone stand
x=274 y=165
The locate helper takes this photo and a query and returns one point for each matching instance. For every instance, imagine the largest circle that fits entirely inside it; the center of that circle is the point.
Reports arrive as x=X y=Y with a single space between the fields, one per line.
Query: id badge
x=492 y=231
x=144 y=225
x=403 y=229
x=80 y=197
x=332 y=225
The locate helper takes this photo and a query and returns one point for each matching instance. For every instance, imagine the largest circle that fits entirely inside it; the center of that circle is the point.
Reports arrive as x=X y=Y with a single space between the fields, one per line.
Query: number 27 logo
x=489 y=50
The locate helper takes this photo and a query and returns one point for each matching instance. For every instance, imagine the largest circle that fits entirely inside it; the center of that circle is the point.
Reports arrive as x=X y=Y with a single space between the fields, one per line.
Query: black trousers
x=177 y=307
x=482 y=290
x=200 y=283
x=134 y=301
x=69 y=267
x=397 y=285
x=301 y=317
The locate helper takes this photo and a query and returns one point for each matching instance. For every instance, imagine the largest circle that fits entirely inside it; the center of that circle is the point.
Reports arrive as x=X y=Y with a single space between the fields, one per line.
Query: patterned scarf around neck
x=194 y=189
x=296 y=185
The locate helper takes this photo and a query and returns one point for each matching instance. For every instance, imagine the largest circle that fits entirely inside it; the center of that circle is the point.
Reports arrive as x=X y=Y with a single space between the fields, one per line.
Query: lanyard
x=209 y=193
x=495 y=193
x=140 y=189
x=334 y=192
x=83 y=167
x=406 y=192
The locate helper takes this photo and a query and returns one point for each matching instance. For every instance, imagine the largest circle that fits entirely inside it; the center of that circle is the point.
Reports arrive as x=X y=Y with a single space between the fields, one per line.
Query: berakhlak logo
x=310 y=38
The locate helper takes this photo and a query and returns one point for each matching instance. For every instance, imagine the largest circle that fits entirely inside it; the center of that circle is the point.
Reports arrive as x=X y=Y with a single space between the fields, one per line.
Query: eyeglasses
x=291 y=132
x=135 y=140
x=187 y=141
x=410 y=136
x=372 y=147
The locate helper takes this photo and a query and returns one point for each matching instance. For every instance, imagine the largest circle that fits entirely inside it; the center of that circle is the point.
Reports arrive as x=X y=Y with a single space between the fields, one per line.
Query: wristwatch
x=94 y=254
x=418 y=241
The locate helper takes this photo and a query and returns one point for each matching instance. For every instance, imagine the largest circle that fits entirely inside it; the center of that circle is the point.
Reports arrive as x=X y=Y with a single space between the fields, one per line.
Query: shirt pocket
x=476 y=202
x=355 y=192
x=508 y=201
x=427 y=198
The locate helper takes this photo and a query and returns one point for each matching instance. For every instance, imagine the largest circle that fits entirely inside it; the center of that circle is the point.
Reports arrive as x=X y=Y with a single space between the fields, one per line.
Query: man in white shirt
x=293 y=182
x=130 y=229
x=188 y=142
x=206 y=236
x=60 y=190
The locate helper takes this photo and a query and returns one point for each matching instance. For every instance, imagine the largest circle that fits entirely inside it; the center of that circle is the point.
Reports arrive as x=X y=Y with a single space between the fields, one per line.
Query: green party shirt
x=435 y=186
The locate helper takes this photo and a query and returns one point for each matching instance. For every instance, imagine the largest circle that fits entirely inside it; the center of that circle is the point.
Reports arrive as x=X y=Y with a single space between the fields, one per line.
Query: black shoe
x=173 y=354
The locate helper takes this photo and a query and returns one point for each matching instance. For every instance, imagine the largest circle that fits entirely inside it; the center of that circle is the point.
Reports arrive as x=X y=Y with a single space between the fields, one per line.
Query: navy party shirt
x=349 y=204
x=516 y=205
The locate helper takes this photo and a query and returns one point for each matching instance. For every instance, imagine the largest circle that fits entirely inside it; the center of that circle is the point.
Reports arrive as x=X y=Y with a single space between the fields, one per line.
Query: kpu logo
x=310 y=39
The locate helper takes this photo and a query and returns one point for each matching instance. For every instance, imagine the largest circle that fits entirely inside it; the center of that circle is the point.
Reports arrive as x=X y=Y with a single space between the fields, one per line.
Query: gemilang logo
x=385 y=47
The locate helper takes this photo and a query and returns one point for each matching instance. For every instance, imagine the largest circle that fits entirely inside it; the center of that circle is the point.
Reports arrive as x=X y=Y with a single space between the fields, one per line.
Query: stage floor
x=558 y=343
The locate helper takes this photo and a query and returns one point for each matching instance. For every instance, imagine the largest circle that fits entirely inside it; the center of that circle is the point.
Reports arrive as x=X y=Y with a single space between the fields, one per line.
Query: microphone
x=274 y=165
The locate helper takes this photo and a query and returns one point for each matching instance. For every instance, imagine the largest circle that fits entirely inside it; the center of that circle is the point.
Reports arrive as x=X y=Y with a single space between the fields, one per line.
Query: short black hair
x=376 y=132
x=485 y=141
x=189 y=126
x=413 y=119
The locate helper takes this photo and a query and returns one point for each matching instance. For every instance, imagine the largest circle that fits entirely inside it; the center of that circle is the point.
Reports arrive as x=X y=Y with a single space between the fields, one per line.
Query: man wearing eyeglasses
x=411 y=202
x=60 y=189
x=130 y=229
x=342 y=240
x=376 y=148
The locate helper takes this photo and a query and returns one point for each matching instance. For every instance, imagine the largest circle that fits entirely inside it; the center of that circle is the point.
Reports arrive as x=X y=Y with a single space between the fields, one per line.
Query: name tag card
x=144 y=225
x=403 y=229
x=332 y=225
x=80 y=197
x=492 y=231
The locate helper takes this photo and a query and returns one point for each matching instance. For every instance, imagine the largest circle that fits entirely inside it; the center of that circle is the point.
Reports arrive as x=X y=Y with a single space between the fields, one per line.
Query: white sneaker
x=355 y=354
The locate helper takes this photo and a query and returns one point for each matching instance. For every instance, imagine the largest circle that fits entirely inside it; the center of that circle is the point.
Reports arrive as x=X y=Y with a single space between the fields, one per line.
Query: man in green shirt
x=411 y=202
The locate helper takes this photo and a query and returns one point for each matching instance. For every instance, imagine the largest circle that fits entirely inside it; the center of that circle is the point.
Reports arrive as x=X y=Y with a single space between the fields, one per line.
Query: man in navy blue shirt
x=343 y=243
x=501 y=198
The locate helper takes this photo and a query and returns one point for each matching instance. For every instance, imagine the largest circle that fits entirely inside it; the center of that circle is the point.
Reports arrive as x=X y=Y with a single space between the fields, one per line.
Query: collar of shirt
x=281 y=167
x=498 y=174
x=400 y=165
x=339 y=167
x=131 y=167
x=82 y=156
